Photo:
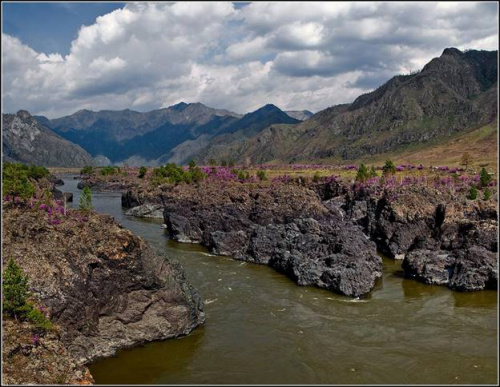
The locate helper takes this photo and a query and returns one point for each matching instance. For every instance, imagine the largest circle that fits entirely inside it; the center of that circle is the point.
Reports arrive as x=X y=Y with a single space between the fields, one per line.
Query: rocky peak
x=452 y=51
x=269 y=108
x=23 y=114
x=179 y=107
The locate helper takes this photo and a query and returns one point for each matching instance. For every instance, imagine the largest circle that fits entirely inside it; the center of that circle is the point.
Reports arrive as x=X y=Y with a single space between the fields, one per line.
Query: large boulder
x=146 y=211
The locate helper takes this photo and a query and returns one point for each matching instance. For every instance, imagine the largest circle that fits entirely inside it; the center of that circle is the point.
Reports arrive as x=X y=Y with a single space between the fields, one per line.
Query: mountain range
x=143 y=138
x=455 y=93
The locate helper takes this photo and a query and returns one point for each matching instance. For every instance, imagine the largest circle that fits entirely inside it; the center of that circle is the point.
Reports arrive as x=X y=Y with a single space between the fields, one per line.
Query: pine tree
x=485 y=177
x=389 y=168
x=15 y=290
x=362 y=174
x=472 y=193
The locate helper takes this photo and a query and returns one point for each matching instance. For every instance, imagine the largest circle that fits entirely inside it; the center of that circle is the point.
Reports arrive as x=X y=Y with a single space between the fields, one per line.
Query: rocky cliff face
x=26 y=140
x=112 y=293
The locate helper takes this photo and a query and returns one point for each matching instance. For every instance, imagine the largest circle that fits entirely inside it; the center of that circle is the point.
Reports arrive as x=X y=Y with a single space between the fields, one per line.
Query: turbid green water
x=262 y=328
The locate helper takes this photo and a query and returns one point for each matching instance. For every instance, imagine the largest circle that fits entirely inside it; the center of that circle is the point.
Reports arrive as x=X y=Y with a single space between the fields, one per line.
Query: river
x=261 y=328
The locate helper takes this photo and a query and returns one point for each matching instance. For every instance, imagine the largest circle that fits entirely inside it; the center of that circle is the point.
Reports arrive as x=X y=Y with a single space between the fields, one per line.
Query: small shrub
x=16 y=179
x=316 y=177
x=87 y=170
x=212 y=162
x=109 y=171
x=261 y=175
x=37 y=172
x=196 y=174
x=487 y=194
x=484 y=178
x=223 y=163
x=362 y=174
x=472 y=193
x=373 y=172
x=389 y=168
x=174 y=174
x=242 y=175
x=86 y=200
x=466 y=160
x=16 y=294
x=142 y=172
x=38 y=319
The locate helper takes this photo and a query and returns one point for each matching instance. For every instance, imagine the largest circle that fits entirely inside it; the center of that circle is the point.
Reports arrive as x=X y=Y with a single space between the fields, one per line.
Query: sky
x=58 y=58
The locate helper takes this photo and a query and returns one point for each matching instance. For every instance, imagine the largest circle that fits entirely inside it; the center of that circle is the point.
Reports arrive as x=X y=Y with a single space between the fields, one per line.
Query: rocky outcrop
x=441 y=240
x=286 y=228
x=109 y=294
x=146 y=211
x=466 y=270
x=26 y=140
x=334 y=257
x=326 y=235
x=59 y=195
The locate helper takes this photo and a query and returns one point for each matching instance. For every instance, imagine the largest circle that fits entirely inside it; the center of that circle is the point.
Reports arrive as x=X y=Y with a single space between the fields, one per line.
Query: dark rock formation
x=55 y=180
x=286 y=228
x=68 y=196
x=321 y=243
x=338 y=258
x=129 y=199
x=453 y=244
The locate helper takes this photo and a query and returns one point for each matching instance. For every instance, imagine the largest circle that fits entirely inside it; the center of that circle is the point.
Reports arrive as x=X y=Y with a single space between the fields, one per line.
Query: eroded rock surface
x=286 y=227
x=103 y=286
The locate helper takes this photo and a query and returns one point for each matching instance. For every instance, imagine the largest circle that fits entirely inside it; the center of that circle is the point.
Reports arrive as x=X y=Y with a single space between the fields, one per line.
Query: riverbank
x=102 y=287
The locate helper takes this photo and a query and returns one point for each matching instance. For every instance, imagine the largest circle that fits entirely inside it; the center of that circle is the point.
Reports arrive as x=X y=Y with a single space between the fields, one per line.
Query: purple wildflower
x=35 y=339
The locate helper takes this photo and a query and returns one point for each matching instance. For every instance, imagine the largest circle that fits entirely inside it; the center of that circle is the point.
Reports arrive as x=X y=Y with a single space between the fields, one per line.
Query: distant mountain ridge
x=128 y=135
x=452 y=94
x=26 y=140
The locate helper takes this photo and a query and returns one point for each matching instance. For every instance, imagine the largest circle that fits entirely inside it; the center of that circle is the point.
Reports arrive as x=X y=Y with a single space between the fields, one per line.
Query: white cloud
x=295 y=55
